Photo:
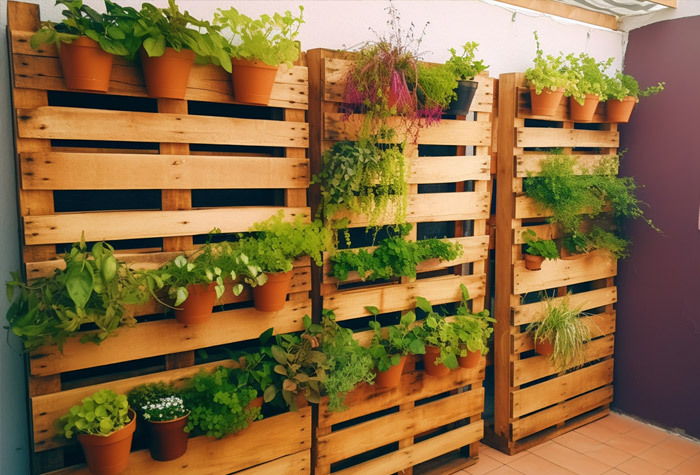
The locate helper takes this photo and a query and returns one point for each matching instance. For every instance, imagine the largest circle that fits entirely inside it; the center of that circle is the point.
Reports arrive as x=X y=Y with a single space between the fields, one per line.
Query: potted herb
x=161 y=407
x=86 y=42
x=472 y=331
x=390 y=347
x=537 y=250
x=587 y=86
x=274 y=249
x=548 y=80
x=105 y=425
x=439 y=337
x=561 y=334
x=623 y=93
x=258 y=47
x=465 y=67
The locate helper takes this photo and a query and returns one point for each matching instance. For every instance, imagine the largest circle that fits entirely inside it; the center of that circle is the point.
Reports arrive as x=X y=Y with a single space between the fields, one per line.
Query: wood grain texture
x=559 y=272
x=299 y=462
x=449 y=169
x=524 y=314
x=549 y=137
x=599 y=324
x=530 y=164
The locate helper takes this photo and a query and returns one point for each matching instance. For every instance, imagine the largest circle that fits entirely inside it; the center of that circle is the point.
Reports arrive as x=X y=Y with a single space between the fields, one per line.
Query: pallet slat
x=598 y=325
x=524 y=314
x=559 y=272
x=549 y=137
x=449 y=169
x=530 y=164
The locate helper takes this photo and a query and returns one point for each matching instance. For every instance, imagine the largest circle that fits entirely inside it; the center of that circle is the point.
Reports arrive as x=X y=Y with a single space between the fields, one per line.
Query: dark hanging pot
x=85 y=66
x=391 y=377
x=167 y=439
x=271 y=296
x=465 y=96
x=431 y=354
x=167 y=76
x=198 y=306
x=109 y=455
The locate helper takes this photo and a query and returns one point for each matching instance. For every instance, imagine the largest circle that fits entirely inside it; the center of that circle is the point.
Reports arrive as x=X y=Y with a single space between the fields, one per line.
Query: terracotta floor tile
x=608 y=455
x=649 y=434
x=662 y=457
x=679 y=445
x=614 y=471
x=500 y=456
x=572 y=460
x=689 y=467
x=637 y=466
x=504 y=470
x=484 y=465
x=598 y=432
x=532 y=464
x=619 y=423
x=577 y=441
x=629 y=444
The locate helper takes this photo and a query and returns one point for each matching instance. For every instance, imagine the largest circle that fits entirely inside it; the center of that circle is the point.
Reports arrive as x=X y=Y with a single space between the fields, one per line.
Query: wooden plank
x=549 y=417
x=600 y=324
x=525 y=314
x=345 y=443
x=666 y=3
x=559 y=272
x=299 y=462
x=262 y=441
x=571 y=12
x=562 y=388
x=420 y=452
x=112 y=225
x=549 y=137
x=530 y=164
x=530 y=369
x=349 y=304
x=49 y=122
x=447 y=132
x=542 y=231
x=449 y=169
x=137 y=342
x=526 y=207
x=126 y=171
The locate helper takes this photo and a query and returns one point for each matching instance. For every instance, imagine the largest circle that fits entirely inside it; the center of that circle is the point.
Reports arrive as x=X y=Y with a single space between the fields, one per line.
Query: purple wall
x=657 y=348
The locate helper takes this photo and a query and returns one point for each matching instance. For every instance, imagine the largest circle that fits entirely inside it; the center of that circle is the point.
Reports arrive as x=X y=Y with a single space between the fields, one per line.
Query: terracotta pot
x=271 y=297
x=167 y=76
x=619 y=111
x=533 y=262
x=252 y=81
x=465 y=96
x=257 y=402
x=544 y=347
x=109 y=455
x=431 y=354
x=167 y=439
x=198 y=306
x=391 y=377
x=85 y=66
x=546 y=102
x=471 y=360
x=583 y=113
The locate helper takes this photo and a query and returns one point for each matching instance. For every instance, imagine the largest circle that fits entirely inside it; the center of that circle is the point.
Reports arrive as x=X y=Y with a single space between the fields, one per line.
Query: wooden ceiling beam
x=571 y=12
x=666 y=3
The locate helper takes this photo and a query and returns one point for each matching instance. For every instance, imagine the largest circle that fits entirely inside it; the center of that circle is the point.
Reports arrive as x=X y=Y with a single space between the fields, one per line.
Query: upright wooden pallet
x=350 y=449
x=205 y=160
x=532 y=402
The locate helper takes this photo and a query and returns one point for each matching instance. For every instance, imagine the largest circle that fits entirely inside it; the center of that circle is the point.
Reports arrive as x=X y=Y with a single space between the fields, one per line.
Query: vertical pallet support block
x=191 y=155
x=532 y=402
x=451 y=164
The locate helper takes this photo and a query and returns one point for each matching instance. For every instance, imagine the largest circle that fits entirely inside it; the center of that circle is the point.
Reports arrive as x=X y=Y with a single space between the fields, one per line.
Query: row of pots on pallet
x=546 y=103
x=392 y=377
x=87 y=67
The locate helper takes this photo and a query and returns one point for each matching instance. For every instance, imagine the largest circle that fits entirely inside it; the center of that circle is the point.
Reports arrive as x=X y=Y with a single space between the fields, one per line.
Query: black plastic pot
x=465 y=95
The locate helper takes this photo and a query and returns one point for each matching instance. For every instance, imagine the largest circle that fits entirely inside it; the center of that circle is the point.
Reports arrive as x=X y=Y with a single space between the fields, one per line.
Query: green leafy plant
x=548 y=72
x=390 y=344
x=270 y=39
x=157 y=402
x=259 y=368
x=219 y=402
x=472 y=330
x=437 y=331
x=587 y=77
x=102 y=413
x=565 y=330
x=465 y=66
x=93 y=288
x=82 y=20
x=539 y=247
x=597 y=238
x=622 y=85
x=348 y=363
x=437 y=85
x=394 y=257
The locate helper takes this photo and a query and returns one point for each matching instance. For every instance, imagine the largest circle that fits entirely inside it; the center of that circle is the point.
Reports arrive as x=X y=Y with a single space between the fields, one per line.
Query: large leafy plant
x=622 y=85
x=587 y=77
x=390 y=344
x=270 y=39
x=437 y=331
x=539 y=247
x=102 y=413
x=472 y=330
x=465 y=66
x=547 y=72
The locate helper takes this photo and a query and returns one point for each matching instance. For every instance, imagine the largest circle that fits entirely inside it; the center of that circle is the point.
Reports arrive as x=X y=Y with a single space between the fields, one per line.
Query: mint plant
x=102 y=413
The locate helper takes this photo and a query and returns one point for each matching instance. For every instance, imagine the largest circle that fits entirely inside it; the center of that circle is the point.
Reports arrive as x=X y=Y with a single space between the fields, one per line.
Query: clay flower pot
x=391 y=377
x=431 y=354
x=471 y=360
x=465 y=96
x=167 y=439
x=619 y=111
x=85 y=66
x=533 y=262
x=252 y=81
x=109 y=455
x=544 y=347
x=583 y=113
x=167 y=76
x=271 y=296
x=198 y=306
x=546 y=102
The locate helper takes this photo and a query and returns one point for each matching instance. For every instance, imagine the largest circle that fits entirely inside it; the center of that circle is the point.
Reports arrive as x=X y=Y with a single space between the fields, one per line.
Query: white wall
x=506 y=42
x=685 y=8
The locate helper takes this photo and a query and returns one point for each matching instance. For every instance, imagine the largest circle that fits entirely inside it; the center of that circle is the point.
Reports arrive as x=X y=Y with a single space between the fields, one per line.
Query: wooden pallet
x=186 y=166
x=464 y=160
x=533 y=403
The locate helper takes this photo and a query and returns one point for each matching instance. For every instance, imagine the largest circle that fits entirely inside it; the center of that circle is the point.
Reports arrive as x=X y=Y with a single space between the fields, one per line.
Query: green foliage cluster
x=270 y=39
x=622 y=85
x=465 y=66
x=597 y=238
x=144 y=394
x=437 y=331
x=394 y=257
x=157 y=402
x=539 y=247
x=102 y=413
x=472 y=330
x=437 y=85
x=548 y=72
x=389 y=345
x=587 y=76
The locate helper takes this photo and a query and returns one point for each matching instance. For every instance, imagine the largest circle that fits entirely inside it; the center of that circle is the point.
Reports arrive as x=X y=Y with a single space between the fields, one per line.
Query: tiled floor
x=614 y=445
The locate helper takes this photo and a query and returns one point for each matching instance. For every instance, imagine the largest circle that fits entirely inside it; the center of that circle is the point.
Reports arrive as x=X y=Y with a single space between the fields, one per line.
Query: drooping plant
x=622 y=85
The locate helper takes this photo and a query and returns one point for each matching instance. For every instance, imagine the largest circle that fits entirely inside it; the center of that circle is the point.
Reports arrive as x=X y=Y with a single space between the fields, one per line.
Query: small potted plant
x=548 y=80
x=560 y=333
x=258 y=47
x=86 y=41
x=623 y=93
x=390 y=347
x=587 y=85
x=162 y=409
x=465 y=67
x=472 y=331
x=439 y=337
x=105 y=426
x=537 y=250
